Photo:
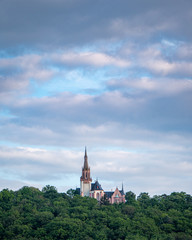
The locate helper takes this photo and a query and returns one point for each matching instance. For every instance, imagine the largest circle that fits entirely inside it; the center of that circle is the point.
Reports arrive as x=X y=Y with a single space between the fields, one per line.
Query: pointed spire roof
x=85 y=160
x=122 y=191
x=85 y=151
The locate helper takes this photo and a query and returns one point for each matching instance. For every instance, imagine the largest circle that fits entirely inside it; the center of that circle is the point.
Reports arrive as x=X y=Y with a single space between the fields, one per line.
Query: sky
x=115 y=76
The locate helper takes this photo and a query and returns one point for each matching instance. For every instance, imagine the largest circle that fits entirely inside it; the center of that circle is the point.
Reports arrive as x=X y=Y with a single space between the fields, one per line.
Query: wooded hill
x=33 y=214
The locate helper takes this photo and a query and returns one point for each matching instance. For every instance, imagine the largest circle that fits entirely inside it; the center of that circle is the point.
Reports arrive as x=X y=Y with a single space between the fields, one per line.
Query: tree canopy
x=45 y=215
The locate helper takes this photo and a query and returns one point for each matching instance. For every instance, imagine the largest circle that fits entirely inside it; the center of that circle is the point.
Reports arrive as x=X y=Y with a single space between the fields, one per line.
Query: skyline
x=113 y=76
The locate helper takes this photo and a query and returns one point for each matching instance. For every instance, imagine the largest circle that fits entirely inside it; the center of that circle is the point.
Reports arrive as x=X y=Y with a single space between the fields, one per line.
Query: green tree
x=50 y=192
x=129 y=210
x=6 y=199
x=104 y=200
x=130 y=198
x=144 y=200
x=72 y=192
x=47 y=215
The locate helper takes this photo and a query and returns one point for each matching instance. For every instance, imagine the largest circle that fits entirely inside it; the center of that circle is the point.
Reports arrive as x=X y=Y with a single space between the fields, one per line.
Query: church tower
x=85 y=180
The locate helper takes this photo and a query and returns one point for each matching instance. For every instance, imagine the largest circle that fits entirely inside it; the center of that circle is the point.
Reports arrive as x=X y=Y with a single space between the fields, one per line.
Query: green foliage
x=50 y=192
x=104 y=200
x=47 y=215
x=129 y=210
x=71 y=192
x=6 y=199
x=144 y=200
x=130 y=198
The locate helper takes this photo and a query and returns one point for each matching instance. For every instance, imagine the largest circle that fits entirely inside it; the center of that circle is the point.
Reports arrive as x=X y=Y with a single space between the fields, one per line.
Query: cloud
x=50 y=120
x=161 y=86
x=18 y=71
x=163 y=60
x=164 y=68
x=60 y=23
x=185 y=52
x=135 y=28
x=10 y=83
x=141 y=170
x=90 y=58
x=113 y=75
x=32 y=164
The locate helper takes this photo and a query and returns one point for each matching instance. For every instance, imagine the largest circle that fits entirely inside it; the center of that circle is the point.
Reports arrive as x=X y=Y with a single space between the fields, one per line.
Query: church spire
x=122 y=189
x=86 y=160
x=85 y=179
x=85 y=151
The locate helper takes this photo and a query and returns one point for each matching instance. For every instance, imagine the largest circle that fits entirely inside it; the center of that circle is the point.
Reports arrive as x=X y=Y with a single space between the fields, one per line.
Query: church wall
x=85 y=188
x=117 y=197
x=97 y=194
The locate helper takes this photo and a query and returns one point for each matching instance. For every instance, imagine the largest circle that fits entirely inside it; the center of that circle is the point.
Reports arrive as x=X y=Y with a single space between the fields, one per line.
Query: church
x=94 y=190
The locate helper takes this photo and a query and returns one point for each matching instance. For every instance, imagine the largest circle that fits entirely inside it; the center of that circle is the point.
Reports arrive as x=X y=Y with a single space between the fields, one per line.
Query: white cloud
x=154 y=85
x=18 y=71
x=164 y=67
x=96 y=59
x=155 y=60
x=11 y=83
x=37 y=165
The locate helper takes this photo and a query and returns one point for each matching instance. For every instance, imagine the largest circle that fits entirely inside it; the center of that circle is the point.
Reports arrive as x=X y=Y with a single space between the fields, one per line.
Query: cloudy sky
x=115 y=76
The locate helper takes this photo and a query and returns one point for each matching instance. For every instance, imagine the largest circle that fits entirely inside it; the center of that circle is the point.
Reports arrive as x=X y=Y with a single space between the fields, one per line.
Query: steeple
x=122 y=191
x=86 y=167
x=85 y=151
x=85 y=180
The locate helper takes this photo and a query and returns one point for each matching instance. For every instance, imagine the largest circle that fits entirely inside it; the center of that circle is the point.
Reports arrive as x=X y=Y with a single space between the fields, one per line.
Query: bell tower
x=85 y=180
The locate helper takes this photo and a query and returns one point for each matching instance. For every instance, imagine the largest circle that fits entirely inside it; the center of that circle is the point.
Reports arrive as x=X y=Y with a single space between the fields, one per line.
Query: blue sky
x=114 y=76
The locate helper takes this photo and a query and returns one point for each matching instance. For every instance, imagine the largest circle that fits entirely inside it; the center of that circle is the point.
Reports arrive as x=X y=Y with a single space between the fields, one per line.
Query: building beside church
x=94 y=190
x=118 y=196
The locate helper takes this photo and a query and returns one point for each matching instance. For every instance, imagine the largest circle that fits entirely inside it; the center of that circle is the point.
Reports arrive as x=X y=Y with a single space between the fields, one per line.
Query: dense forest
x=33 y=214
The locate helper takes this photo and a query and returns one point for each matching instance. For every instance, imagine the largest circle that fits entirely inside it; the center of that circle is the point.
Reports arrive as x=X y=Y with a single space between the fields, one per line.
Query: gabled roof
x=109 y=194
x=122 y=192
x=96 y=186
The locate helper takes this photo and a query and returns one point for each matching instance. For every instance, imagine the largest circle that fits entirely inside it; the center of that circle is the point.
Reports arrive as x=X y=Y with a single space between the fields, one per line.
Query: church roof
x=122 y=192
x=109 y=194
x=96 y=186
